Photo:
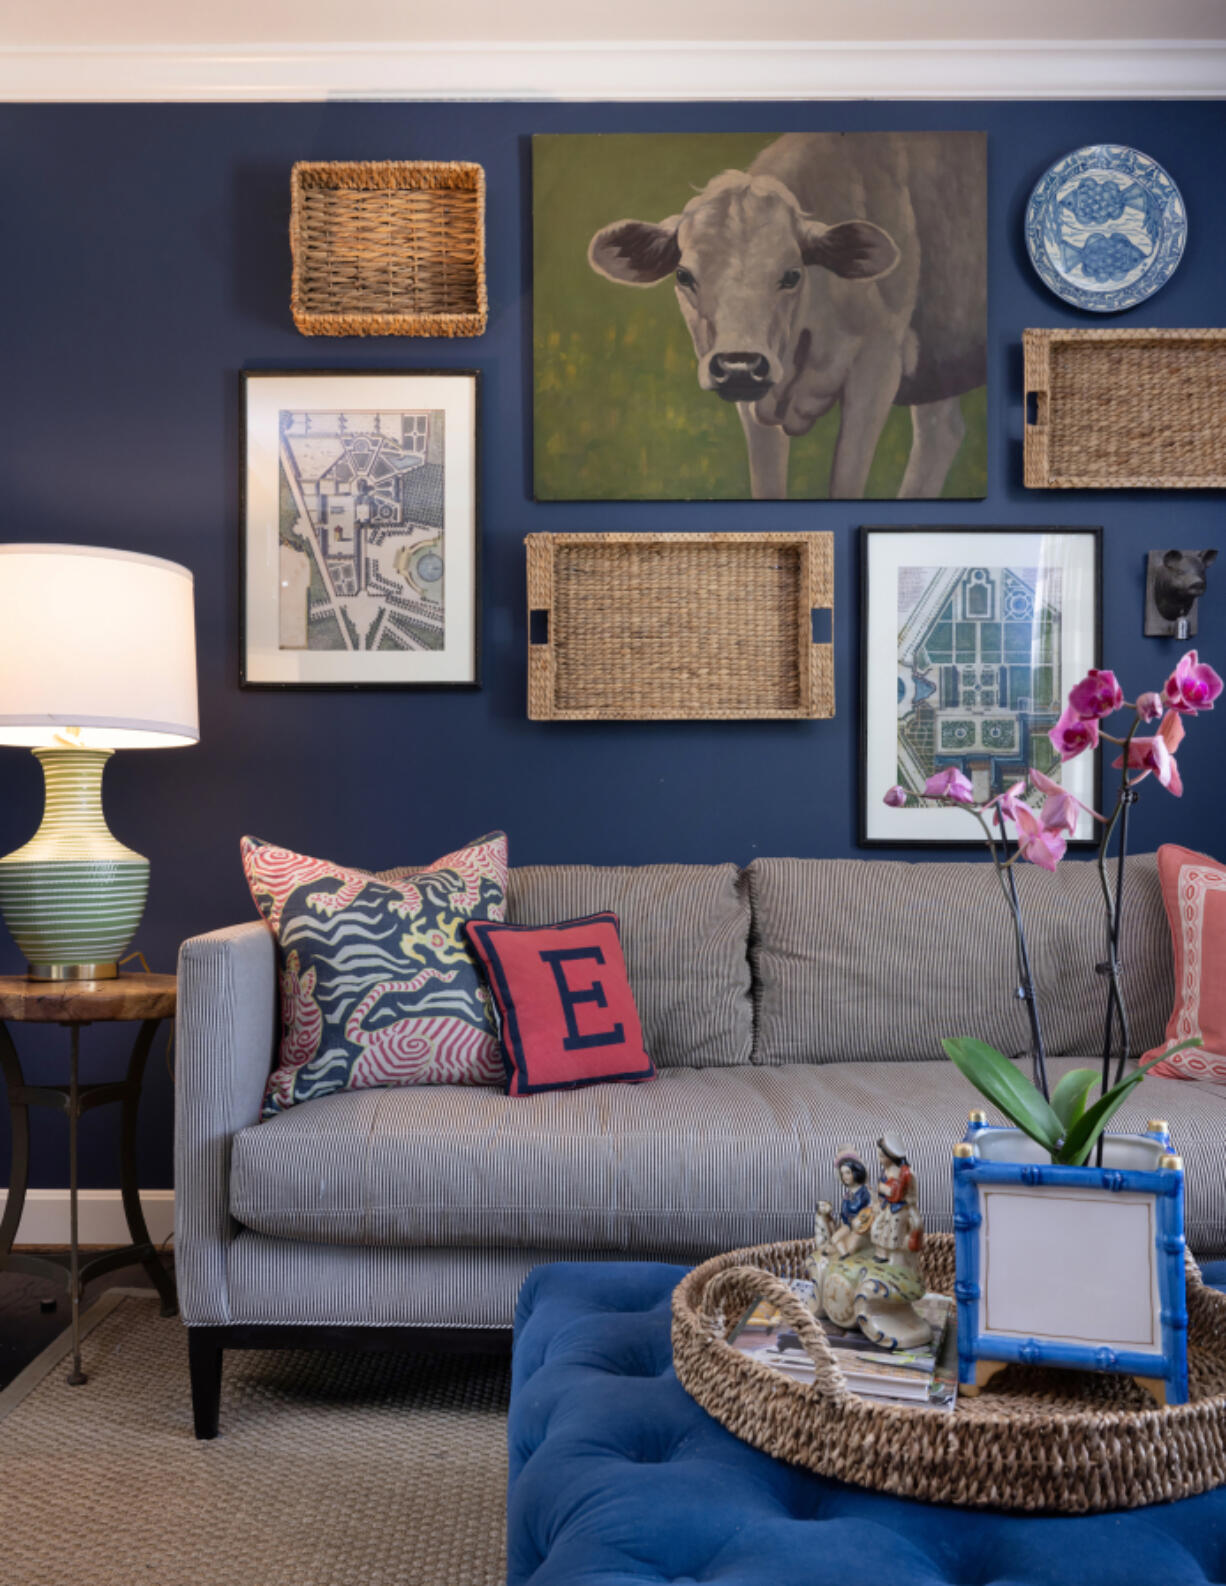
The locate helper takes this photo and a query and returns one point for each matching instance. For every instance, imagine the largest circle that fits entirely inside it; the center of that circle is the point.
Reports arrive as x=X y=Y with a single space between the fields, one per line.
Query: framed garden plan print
x=359 y=530
x=736 y=315
x=971 y=640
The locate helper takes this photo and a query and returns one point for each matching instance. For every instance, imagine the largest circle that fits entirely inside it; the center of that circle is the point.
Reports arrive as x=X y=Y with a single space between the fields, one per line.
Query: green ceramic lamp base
x=73 y=896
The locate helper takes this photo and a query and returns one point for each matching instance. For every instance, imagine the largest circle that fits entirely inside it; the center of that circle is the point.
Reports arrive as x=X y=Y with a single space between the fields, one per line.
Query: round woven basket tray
x=1070 y=1441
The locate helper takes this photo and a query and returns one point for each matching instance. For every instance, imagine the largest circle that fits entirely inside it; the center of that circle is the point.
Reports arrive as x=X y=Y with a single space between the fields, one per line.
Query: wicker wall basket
x=1125 y=409
x=1057 y=1440
x=388 y=248
x=679 y=627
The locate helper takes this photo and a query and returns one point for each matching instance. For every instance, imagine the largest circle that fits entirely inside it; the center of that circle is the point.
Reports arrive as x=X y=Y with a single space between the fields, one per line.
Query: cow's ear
x=1208 y=556
x=1172 y=559
x=635 y=252
x=855 y=249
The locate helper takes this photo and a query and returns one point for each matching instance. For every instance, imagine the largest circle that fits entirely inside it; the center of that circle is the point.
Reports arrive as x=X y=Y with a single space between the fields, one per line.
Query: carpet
x=332 y=1469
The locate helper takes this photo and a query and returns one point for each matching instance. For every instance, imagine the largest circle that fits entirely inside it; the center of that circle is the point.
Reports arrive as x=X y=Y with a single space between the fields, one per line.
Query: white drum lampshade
x=97 y=653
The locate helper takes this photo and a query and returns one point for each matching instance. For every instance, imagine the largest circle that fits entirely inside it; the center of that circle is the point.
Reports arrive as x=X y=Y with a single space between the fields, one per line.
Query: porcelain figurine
x=873 y=1289
x=851 y=1232
x=897 y=1231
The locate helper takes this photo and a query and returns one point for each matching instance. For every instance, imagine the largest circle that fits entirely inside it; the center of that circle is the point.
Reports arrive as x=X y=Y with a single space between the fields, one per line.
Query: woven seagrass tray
x=1125 y=409
x=388 y=248
x=679 y=627
x=1036 y=1439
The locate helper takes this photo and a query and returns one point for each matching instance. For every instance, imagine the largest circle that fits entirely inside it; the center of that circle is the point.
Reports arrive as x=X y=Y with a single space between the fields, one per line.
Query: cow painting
x=835 y=277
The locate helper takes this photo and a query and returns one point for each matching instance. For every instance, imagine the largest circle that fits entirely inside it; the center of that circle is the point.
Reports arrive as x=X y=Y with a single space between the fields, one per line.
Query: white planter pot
x=1071 y=1266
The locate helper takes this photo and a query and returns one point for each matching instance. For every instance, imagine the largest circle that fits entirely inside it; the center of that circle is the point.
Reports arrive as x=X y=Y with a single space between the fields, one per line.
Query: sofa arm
x=225 y=1035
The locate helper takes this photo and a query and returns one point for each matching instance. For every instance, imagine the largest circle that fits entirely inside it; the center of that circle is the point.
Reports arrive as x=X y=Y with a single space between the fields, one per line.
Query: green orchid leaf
x=995 y=1077
x=1093 y=1121
x=1068 y=1100
x=1193 y=1040
x=1086 y=1129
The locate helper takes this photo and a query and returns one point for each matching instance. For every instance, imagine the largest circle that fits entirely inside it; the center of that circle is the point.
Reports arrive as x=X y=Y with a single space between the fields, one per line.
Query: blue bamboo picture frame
x=972 y=1174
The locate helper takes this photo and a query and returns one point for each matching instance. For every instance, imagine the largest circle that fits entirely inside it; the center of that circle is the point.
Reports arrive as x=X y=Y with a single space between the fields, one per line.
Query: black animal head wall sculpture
x=1175 y=581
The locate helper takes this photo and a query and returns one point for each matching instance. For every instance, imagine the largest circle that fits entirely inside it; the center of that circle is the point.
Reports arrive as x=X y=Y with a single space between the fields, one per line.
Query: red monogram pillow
x=566 y=1012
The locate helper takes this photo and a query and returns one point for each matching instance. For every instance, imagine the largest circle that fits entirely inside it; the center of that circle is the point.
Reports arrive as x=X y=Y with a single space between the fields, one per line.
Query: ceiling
x=75 y=24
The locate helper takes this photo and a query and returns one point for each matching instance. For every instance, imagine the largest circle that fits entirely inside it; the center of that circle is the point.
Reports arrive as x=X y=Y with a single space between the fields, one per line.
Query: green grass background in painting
x=618 y=412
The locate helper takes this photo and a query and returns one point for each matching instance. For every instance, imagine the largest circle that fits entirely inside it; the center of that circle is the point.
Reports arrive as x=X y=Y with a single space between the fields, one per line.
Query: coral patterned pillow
x=565 y=1007
x=378 y=985
x=1194 y=891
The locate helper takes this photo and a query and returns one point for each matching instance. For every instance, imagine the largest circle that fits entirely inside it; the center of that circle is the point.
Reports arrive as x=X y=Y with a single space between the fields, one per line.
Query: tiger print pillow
x=378 y=983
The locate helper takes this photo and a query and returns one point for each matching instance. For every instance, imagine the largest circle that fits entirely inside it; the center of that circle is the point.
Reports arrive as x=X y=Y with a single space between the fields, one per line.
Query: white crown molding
x=618 y=71
x=45 y=1221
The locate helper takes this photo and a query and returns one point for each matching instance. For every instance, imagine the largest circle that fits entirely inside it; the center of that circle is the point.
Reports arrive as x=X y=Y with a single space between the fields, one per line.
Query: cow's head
x=740 y=254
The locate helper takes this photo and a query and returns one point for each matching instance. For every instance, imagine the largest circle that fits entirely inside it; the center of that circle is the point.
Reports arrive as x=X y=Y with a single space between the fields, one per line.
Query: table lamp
x=97 y=653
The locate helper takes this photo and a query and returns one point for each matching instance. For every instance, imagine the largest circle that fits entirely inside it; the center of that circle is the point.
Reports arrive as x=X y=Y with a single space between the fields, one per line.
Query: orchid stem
x=1116 y=1012
x=1128 y=797
x=1026 y=986
x=1027 y=989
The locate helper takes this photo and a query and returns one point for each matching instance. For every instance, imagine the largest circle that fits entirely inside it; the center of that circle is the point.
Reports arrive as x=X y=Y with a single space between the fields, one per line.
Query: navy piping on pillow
x=509 y=1033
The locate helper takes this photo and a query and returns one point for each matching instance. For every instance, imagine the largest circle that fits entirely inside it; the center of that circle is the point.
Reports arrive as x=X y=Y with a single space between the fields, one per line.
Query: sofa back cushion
x=876 y=960
x=685 y=934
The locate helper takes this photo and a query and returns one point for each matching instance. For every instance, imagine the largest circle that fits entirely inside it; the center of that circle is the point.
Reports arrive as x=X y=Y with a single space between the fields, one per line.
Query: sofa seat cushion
x=685 y=934
x=700 y=1160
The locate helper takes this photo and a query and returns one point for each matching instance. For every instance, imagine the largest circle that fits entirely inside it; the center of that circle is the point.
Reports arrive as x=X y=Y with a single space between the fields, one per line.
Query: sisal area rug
x=331 y=1469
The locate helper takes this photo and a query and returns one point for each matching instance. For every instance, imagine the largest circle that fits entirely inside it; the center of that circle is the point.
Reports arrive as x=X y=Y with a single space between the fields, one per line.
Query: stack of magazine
x=927 y=1376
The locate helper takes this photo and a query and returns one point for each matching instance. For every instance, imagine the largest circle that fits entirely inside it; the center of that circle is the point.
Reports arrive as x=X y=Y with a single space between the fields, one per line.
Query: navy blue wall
x=145 y=262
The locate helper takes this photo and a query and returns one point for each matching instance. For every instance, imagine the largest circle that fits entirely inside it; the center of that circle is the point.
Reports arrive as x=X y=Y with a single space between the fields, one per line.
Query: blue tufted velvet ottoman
x=617 y=1477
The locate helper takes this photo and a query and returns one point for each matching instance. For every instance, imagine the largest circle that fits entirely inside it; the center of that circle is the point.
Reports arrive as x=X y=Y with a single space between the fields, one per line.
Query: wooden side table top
x=83 y=1001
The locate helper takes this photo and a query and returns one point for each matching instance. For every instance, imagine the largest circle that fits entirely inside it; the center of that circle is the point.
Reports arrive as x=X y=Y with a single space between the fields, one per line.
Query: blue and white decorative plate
x=1106 y=227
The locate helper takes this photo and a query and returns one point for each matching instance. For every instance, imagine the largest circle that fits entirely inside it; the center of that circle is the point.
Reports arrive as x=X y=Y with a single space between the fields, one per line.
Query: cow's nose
x=740 y=368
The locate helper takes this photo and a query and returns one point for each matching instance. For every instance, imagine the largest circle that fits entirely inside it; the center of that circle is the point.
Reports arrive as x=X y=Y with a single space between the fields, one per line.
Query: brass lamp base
x=72 y=971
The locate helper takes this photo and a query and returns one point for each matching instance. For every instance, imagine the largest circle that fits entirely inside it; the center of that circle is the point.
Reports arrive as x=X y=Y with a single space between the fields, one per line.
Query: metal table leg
x=19 y=1123
x=19 y=1098
x=76 y=1376
x=76 y=1099
x=144 y=1250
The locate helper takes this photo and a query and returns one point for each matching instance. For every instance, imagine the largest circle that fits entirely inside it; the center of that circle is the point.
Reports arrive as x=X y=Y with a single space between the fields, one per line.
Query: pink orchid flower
x=1097 y=695
x=1192 y=686
x=1053 y=790
x=1149 y=707
x=1059 y=813
x=895 y=797
x=1172 y=731
x=950 y=784
x=1073 y=735
x=1151 y=754
x=1036 y=842
x=1006 y=803
x=1157 y=754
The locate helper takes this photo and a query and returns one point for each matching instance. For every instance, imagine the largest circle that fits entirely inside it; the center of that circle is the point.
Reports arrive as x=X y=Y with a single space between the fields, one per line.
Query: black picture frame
x=246 y=681
x=870 y=796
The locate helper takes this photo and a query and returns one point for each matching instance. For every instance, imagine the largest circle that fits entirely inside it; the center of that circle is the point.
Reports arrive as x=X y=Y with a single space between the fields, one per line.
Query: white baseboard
x=645 y=70
x=45 y=1220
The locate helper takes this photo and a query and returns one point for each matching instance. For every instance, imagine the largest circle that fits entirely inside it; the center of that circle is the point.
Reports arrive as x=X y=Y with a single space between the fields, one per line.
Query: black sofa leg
x=204 y=1354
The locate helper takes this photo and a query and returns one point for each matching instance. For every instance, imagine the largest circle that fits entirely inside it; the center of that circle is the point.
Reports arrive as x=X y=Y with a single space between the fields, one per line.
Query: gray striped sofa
x=790 y=1007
